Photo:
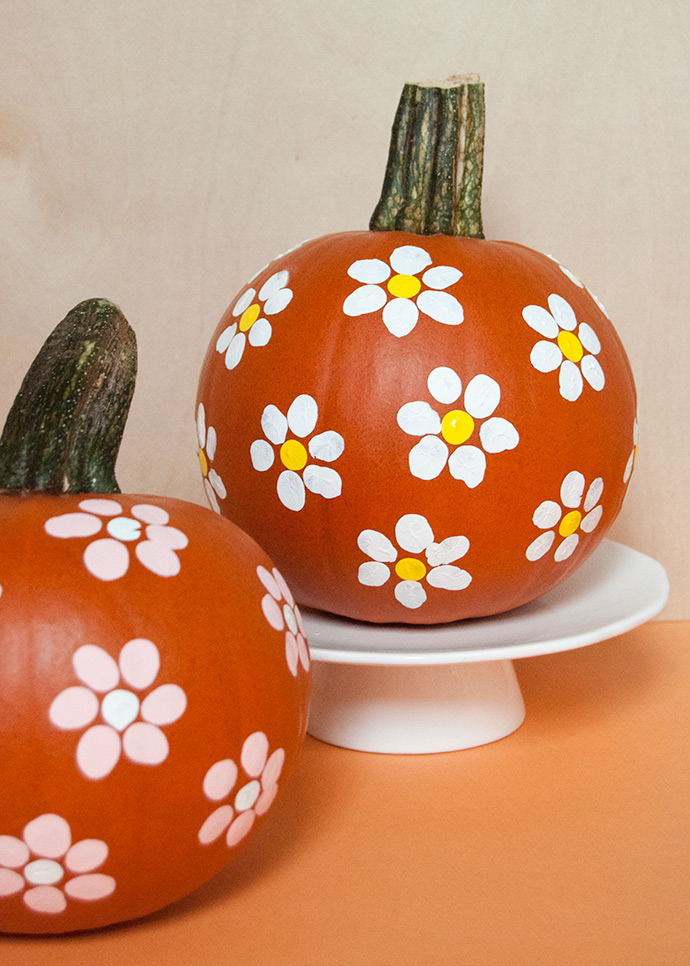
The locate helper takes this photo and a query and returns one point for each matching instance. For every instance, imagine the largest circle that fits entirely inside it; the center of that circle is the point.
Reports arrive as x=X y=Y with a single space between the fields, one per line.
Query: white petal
x=327 y=446
x=629 y=467
x=276 y=303
x=302 y=415
x=447 y=551
x=449 y=578
x=96 y=667
x=164 y=705
x=594 y=492
x=593 y=373
x=370 y=271
x=571 y=275
x=567 y=548
x=562 y=312
x=169 y=536
x=540 y=546
x=409 y=260
x=211 y=442
x=591 y=519
x=201 y=424
x=75 y=707
x=468 y=463
x=323 y=480
x=217 y=484
x=589 y=338
x=260 y=333
x=537 y=317
x=400 y=316
x=365 y=299
x=547 y=515
x=274 y=424
x=572 y=488
x=373 y=574
x=546 y=356
x=376 y=545
x=441 y=306
x=148 y=513
x=410 y=593
x=291 y=490
x=73 y=525
x=226 y=337
x=445 y=386
x=413 y=533
x=274 y=285
x=428 y=457
x=570 y=381
x=235 y=350
x=441 y=276
x=106 y=559
x=243 y=302
x=600 y=304
x=418 y=419
x=145 y=744
x=498 y=435
x=482 y=396
x=262 y=455
x=211 y=496
x=139 y=662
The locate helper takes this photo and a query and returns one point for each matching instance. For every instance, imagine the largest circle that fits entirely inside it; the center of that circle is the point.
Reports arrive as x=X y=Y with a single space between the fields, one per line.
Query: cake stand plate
x=411 y=689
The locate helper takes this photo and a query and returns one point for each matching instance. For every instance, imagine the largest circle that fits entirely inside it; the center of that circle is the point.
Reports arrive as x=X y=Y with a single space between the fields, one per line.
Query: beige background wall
x=159 y=152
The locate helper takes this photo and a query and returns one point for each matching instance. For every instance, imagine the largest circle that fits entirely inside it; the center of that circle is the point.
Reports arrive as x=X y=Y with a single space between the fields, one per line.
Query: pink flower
x=108 y=557
x=254 y=797
x=282 y=613
x=38 y=861
x=129 y=723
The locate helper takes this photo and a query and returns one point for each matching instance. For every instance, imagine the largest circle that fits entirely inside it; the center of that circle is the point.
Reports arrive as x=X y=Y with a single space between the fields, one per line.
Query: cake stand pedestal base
x=418 y=689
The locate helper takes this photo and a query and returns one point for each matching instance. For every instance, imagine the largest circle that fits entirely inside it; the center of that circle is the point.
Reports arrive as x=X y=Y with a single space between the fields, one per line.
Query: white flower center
x=43 y=872
x=120 y=708
x=124 y=528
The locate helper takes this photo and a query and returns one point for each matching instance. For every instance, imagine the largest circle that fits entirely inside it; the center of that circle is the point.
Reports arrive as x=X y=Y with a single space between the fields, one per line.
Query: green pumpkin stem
x=64 y=429
x=433 y=180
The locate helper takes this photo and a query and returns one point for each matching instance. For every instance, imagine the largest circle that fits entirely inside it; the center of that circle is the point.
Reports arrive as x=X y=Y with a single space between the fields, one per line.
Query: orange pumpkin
x=418 y=424
x=154 y=672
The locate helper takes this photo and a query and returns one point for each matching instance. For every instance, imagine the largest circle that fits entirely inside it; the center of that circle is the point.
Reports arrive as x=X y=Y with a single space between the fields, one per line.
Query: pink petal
x=239 y=828
x=291 y=653
x=268 y=581
x=145 y=744
x=140 y=662
x=107 y=559
x=272 y=612
x=254 y=753
x=285 y=590
x=158 y=558
x=45 y=899
x=87 y=855
x=73 y=525
x=98 y=751
x=48 y=836
x=164 y=705
x=266 y=800
x=90 y=887
x=220 y=779
x=150 y=514
x=13 y=852
x=96 y=667
x=215 y=824
x=169 y=536
x=10 y=883
x=104 y=508
x=273 y=769
x=303 y=652
x=74 y=707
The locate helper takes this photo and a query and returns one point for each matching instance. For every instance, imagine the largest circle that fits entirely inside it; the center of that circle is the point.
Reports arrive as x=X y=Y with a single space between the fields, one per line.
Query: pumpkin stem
x=433 y=180
x=65 y=426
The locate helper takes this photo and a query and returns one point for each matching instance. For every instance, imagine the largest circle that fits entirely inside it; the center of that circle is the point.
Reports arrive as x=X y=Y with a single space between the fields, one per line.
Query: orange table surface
x=563 y=844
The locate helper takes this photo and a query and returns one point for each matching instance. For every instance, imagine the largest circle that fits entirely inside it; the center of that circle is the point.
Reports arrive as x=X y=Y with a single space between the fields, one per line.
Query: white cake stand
x=406 y=689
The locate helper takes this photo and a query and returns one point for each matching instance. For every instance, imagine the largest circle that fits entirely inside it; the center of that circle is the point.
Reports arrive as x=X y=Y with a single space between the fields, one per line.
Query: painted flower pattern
x=251 y=326
x=632 y=459
x=396 y=288
x=285 y=433
x=254 y=783
x=208 y=440
x=458 y=437
x=431 y=561
x=568 y=519
x=47 y=868
x=567 y=346
x=118 y=719
x=108 y=557
x=580 y=284
x=282 y=613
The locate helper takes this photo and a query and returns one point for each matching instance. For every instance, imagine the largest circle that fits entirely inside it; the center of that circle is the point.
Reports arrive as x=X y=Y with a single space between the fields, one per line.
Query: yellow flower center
x=457 y=426
x=203 y=462
x=249 y=317
x=570 y=346
x=409 y=568
x=404 y=286
x=293 y=454
x=570 y=523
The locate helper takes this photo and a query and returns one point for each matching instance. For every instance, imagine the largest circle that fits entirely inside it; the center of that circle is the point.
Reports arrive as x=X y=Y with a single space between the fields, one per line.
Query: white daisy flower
x=207 y=438
x=566 y=519
x=252 y=326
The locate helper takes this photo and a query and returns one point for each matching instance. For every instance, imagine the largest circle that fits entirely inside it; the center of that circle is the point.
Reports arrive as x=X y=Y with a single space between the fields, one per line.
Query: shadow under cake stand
x=409 y=689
